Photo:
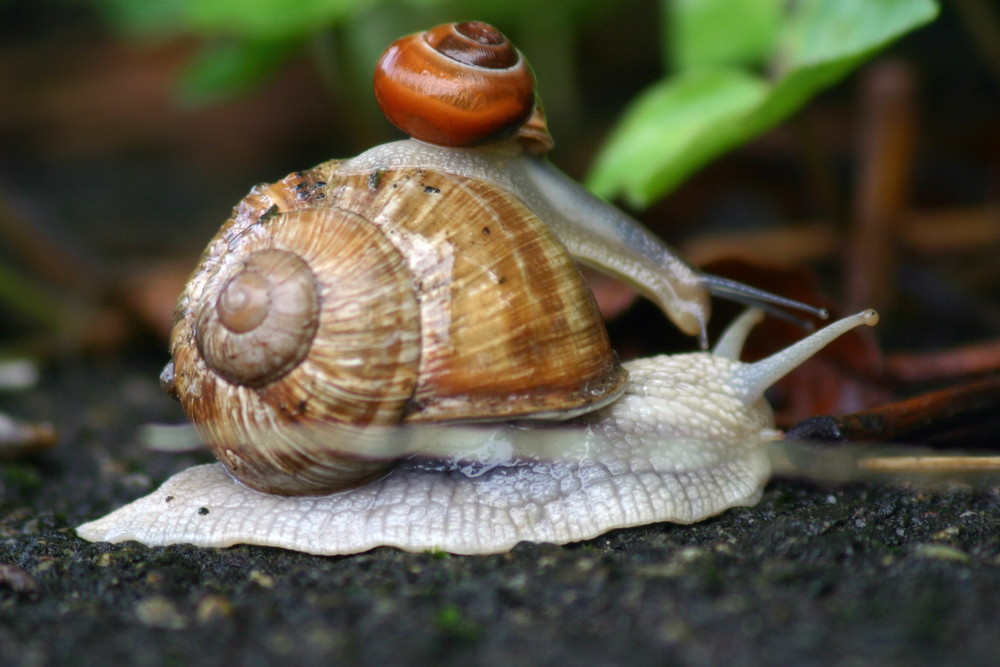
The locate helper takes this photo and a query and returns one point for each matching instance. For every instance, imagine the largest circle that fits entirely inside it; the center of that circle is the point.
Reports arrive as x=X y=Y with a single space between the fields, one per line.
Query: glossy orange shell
x=427 y=92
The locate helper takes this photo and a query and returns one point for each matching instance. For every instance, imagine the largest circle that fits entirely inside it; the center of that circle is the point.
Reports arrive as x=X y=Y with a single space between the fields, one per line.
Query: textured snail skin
x=686 y=441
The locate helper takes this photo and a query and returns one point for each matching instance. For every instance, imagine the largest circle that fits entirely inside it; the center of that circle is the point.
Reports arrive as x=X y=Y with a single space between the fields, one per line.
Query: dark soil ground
x=858 y=574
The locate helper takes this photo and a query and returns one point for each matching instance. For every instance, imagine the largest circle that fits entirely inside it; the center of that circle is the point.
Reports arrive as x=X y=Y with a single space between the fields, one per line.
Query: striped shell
x=332 y=303
x=457 y=84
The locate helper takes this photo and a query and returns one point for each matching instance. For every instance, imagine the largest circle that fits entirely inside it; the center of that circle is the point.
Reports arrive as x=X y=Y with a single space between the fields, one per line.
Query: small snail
x=423 y=298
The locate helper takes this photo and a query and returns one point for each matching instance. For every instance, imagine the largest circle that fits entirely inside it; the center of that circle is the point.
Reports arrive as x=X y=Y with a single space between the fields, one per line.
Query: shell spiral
x=458 y=84
x=264 y=318
x=333 y=304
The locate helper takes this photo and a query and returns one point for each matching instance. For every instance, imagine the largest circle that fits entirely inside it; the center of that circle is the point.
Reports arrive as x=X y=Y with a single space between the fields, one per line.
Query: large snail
x=422 y=298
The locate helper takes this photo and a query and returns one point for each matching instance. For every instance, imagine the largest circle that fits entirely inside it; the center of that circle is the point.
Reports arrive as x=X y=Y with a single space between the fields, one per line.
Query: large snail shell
x=330 y=302
x=458 y=84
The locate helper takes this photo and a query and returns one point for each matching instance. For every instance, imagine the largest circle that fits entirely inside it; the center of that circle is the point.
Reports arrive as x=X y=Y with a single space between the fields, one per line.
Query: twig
x=928 y=414
x=20 y=439
x=41 y=254
x=931 y=233
x=957 y=362
x=885 y=154
x=928 y=463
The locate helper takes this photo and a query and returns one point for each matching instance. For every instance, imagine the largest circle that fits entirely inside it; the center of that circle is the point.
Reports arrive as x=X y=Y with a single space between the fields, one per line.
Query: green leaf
x=822 y=31
x=268 y=19
x=229 y=68
x=683 y=121
x=703 y=33
x=142 y=18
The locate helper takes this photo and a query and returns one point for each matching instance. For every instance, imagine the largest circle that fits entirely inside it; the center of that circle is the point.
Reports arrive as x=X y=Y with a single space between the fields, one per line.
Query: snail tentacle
x=753 y=379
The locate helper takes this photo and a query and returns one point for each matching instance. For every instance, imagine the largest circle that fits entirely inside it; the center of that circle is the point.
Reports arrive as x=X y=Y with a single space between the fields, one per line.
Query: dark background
x=118 y=188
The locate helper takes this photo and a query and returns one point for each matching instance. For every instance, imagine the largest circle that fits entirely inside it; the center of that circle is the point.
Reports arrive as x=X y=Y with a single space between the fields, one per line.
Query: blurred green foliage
x=733 y=68
x=739 y=67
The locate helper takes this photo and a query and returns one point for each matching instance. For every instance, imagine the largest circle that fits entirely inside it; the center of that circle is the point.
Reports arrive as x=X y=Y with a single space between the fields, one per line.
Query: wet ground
x=856 y=574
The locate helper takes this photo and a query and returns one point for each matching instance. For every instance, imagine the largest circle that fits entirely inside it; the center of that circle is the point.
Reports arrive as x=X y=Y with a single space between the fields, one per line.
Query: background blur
x=129 y=129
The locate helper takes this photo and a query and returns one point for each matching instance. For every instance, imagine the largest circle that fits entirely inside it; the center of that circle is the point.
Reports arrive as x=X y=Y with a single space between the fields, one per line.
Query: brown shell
x=471 y=307
x=457 y=84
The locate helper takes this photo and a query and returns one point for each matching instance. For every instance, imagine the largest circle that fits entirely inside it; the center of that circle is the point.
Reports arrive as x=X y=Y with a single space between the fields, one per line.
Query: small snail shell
x=369 y=300
x=687 y=440
x=458 y=84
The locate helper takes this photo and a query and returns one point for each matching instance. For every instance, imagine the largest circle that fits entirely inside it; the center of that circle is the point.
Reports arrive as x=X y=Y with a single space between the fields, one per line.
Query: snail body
x=467 y=98
x=687 y=440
